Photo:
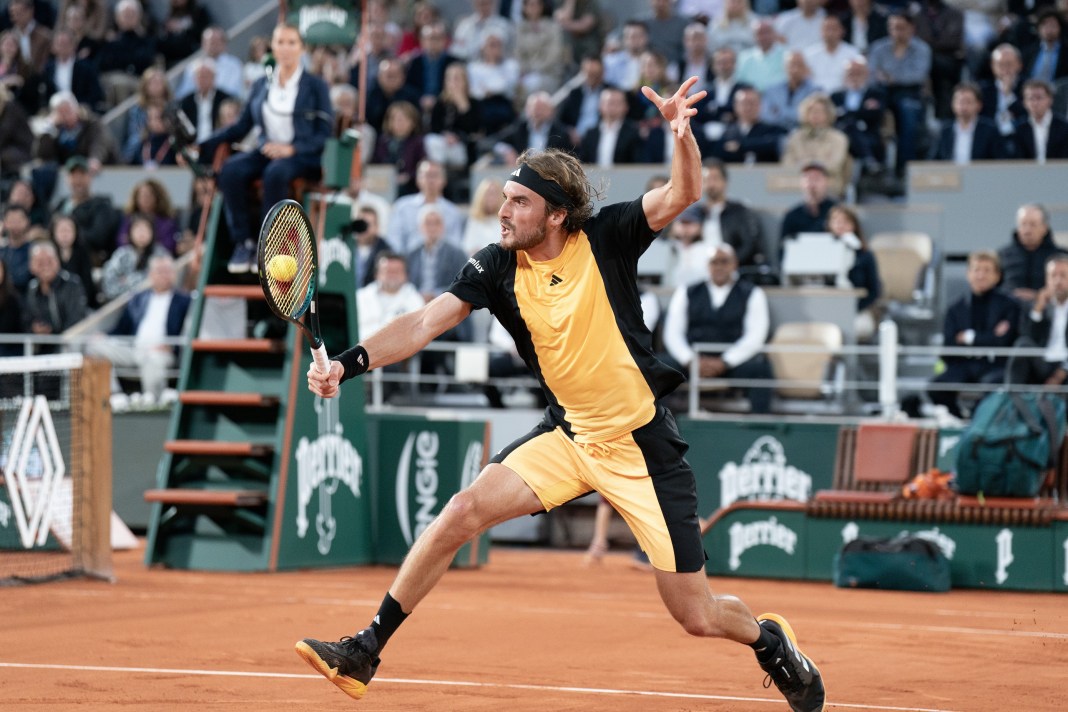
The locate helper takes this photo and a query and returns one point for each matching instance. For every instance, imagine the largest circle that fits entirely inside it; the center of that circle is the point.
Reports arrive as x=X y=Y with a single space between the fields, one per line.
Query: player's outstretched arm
x=662 y=205
x=394 y=342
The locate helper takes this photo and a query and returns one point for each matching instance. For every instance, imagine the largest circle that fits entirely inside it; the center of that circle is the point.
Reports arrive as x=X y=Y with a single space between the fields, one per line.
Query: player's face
x=522 y=217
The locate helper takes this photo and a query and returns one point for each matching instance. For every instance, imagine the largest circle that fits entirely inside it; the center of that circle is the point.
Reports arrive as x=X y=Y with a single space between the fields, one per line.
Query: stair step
x=215 y=498
x=252 y=346
x=241 y=291
x=217 y=449
x=227 y=398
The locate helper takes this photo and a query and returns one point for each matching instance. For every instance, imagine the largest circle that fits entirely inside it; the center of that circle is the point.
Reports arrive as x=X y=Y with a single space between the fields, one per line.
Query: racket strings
x=289 y=234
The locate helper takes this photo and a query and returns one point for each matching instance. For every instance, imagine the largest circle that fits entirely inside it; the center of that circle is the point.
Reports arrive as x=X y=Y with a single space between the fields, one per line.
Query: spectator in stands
x=540 y=49
x=74 y=256
x=401 y=145
x=369 y=246
x=426 y=68
x=1023 y=260
x=389 y=87
x=388 y=295
x=1047 y=59
x=1041 y=136
x=253 y=68
x=1045 y=326
x=800 y=27
x=1002 y=98
x=93 y=16
x=655 y=76
x=435 y=261
x=728 y=220
x=864 y=25
x=616 y=139
x=65 y=72
x=151 y=316
x=763 y=64
x=153 y=90
x=582 y=23
x=748 y=139
x=403 y=233
x=202 y=104
x=537 y=129
x=622 y=68
x=12 y=311
x=860 y=108
x=696 y=58
x=22 y=194
x=811 y=214
x=150 y=198
x=35 y=39
x=689 y=251
x=87 y=38
x=15 y=73
x=718 y=106
x=128 y=265
x=734 y=27
x=780 y=102
x=983 y=317
x=454 y=122
x=721 y=310
x=15 y=246
x=902 y=62
x=472 y=29
x=863 y=273
x=16 y=137
x=493 y=78
x=942 y=28
x=181 y=31
x=816 y=140
x=666 y=29
x=329 y=64
x=124 y=57
x=71 y=132
x=483 y=226
x=229 y=70
x=968 y=136
x=829 y=58
x=157 y=146
x=98 y=221
x=579 y=108
x=55 y=300
x=424 y=13
x=286 y=148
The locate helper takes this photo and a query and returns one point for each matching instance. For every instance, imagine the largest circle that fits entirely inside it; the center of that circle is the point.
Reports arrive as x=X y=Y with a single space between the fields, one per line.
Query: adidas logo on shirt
x=555 y=280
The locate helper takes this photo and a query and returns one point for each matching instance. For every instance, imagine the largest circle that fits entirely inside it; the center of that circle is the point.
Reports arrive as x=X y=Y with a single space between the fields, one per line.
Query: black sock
x=766 y=645
x=387 y=620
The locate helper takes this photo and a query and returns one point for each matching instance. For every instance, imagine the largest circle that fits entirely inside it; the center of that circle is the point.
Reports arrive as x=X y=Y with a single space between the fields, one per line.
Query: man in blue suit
x=292 y=110
x=968 y=136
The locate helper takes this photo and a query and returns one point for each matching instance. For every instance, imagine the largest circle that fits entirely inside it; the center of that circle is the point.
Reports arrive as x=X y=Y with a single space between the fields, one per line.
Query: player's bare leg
x=701 y=612
x=497 y=495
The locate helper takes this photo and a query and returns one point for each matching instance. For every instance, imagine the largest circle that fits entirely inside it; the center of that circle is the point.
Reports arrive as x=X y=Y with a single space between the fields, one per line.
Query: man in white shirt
x=472 y=29
x=229 y=71
x=403 y=232
x=828 y=59
x=616 y=139
x=623 y=68
x=1045 y=326
x=800 y=27
x=389 y=296
x=722 y=310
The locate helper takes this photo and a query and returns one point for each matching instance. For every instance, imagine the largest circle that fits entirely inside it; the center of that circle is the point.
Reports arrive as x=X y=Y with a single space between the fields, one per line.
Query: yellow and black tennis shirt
x=577 y=322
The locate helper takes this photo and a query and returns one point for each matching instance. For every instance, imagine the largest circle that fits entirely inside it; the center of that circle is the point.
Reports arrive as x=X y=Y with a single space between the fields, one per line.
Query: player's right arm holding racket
x=396 y=341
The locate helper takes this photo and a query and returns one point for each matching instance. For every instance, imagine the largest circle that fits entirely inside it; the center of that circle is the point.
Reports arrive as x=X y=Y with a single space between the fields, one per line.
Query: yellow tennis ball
x=282 y=267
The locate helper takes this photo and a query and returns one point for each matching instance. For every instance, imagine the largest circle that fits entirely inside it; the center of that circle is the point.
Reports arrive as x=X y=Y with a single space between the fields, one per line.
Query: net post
x=92 y=414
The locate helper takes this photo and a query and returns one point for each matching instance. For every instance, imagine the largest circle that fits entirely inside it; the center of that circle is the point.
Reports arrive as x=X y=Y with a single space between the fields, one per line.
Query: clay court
x=534 y=630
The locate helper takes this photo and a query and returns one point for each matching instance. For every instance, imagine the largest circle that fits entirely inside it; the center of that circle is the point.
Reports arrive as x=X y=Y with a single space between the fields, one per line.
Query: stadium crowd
x=845 y=92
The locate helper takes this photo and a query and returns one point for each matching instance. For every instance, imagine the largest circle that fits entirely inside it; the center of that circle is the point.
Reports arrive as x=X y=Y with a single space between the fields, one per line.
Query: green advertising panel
x=327 y=509
x=754 y=542
x=325 y=23
x=744 y=461
x=419 y=464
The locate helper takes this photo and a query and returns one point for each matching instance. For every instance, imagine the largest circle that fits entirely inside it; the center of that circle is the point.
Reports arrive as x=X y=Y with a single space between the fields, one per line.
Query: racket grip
x=322 y=361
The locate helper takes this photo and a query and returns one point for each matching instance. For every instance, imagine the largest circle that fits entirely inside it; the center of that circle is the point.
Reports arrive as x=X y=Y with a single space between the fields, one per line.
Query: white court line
x=452 y=683
x=966 y=631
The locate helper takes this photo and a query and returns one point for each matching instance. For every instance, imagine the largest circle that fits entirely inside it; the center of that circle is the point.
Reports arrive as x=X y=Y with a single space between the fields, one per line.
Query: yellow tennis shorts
x=642 y=474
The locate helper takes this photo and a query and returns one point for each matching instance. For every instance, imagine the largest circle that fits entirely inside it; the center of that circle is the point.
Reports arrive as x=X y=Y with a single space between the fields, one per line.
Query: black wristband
x=354 y=361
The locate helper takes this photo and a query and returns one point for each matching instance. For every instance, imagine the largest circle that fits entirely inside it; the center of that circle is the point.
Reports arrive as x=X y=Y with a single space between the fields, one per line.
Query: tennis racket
x=291 y=282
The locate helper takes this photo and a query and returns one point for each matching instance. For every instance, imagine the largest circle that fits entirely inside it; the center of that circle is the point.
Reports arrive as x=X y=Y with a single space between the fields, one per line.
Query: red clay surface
x=534 y=630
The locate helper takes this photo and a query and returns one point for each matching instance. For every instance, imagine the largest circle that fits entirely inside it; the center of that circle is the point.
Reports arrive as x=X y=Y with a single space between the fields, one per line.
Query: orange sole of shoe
x=353 y=688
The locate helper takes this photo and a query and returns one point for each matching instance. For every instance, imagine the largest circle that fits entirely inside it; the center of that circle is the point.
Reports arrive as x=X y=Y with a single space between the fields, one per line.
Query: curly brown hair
x=564 y=168
x=164 y=206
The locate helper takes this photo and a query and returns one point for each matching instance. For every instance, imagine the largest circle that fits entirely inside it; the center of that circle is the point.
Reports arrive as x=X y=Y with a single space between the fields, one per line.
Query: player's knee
x=462 y=515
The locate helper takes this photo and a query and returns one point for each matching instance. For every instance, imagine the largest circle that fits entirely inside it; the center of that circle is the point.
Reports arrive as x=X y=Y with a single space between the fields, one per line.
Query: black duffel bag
x=901 y=563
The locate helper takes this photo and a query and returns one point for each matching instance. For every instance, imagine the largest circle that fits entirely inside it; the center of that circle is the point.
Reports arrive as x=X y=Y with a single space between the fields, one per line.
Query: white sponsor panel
x=323 y=465
x=425 y=445
x=321 y=14
x=766 y=532
x=35 y=471
x=1005 y=558
x=333 y=250
x=763 y=474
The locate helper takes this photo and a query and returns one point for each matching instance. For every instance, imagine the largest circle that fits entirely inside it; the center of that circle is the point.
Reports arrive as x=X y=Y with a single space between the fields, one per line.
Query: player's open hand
x=677 y=108
x=325 y=385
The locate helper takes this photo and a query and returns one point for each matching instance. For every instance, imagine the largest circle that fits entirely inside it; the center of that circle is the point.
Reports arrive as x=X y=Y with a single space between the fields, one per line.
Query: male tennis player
x=562 y=281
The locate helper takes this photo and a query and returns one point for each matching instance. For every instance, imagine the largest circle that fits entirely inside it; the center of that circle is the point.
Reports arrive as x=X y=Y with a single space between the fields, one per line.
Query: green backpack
x=1013 y=439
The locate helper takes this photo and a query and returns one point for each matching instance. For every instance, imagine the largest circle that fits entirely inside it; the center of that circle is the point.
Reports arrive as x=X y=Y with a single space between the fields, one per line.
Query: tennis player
x=562 y=282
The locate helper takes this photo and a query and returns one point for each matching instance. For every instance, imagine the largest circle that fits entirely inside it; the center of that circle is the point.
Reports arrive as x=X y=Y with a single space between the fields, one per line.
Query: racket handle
x=322 y=361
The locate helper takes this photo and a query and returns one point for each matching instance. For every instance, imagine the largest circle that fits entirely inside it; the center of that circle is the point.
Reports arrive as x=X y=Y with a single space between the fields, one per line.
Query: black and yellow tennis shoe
x=797 y=677
x=349 y=663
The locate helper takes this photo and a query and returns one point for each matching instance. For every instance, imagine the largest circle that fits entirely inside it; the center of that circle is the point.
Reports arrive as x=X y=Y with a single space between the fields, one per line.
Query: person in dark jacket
x=97 y=218
x=811 y=214
x=1023 y=261
x=968 y=136
x=55 y=300
x=747 y=139
x=12 y=320
x=728 y=220
x=844 y=224
x=1040 y=135
x=983 y=317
